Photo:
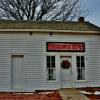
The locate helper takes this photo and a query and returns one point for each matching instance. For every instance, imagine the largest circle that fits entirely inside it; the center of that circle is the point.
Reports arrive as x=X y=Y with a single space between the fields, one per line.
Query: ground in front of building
x=93 y=93
x=61 y=94
x=37 y=95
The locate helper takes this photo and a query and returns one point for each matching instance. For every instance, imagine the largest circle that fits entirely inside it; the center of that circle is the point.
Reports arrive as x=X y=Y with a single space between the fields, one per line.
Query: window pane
x=48 y=64
x=51 y=68
x=78 y=58
x=78 y=77
x=80 y=67
x=82 y=58
x=83 y=73
x=48 y=61
x=53 y=58
x=79 y=71
x=53 y=64
x=48 y=58
x=82 y=64
x=78 y=64
x=53 y=61
x=51 y=74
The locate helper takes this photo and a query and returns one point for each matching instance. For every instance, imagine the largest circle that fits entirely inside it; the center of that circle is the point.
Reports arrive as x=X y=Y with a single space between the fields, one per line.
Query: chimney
x=81 y=19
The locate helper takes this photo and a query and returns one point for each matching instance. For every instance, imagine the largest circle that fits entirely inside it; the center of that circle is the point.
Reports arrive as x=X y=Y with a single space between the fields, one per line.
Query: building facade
x=48 y=55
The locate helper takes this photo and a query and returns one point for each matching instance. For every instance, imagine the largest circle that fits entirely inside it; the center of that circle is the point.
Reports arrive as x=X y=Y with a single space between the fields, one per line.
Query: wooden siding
x=34 y=50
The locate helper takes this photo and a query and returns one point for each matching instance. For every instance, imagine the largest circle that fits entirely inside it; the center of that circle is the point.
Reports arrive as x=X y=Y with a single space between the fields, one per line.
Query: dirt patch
x=93 y=93
x=38 y=95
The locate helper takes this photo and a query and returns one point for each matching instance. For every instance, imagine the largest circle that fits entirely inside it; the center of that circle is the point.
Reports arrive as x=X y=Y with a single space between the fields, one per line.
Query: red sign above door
x=66 y=46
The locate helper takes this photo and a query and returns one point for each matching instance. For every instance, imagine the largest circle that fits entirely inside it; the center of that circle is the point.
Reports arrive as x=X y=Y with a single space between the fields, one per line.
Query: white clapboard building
x=38 y=55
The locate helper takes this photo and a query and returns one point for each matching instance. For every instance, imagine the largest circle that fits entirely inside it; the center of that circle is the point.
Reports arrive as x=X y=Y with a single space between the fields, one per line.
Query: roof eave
x=47 y=30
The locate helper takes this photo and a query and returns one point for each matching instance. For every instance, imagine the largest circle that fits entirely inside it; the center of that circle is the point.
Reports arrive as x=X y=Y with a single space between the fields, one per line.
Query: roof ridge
x=39 y=21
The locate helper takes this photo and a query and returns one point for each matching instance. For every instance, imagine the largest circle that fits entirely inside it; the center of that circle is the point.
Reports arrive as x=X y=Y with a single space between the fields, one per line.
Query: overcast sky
x=93 y=7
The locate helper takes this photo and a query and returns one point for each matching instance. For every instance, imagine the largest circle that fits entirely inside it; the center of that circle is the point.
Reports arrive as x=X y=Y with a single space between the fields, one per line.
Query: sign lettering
x=66 y=46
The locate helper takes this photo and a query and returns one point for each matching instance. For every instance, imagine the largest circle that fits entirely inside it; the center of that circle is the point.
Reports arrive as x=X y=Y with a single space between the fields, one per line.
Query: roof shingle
x=50 y=25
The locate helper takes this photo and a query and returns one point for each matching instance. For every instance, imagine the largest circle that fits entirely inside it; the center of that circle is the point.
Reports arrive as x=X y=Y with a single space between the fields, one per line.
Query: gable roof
x=49 y=25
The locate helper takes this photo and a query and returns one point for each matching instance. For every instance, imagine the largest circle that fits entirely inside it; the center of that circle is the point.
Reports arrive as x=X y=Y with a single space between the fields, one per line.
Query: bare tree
x=63 y=10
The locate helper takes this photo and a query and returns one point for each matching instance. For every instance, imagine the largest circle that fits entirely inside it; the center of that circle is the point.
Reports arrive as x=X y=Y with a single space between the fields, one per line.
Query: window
x=51 y=75
x=80 y=67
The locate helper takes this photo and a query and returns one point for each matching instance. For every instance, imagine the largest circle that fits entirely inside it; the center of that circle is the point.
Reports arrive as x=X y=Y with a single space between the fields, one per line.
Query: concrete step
x=71 y=94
